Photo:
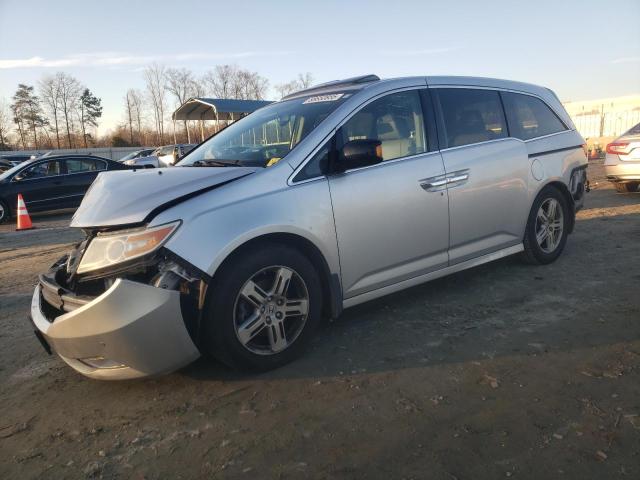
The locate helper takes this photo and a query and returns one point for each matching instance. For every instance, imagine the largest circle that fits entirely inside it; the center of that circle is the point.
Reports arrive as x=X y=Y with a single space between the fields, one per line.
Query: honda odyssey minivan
x=331 y=197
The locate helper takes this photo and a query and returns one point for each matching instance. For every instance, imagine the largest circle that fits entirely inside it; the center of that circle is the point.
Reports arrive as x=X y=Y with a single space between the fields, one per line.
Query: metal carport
x=218 y=109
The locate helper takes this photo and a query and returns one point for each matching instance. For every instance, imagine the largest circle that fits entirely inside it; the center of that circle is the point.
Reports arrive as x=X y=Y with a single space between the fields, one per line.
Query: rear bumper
x=132 y=330
x=623 y=172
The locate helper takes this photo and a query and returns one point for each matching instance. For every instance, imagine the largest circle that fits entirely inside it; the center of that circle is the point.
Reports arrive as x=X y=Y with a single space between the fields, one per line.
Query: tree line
x=60 y=112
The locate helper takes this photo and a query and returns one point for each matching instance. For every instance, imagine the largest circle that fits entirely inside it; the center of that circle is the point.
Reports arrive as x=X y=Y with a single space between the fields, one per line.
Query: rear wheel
x=4 y=212
x=627 y=187
x=546 y=233
x=263 y=308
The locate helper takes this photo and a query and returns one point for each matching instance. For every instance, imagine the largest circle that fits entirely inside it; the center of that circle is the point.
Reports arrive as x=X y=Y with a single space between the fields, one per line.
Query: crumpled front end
x=137 y=321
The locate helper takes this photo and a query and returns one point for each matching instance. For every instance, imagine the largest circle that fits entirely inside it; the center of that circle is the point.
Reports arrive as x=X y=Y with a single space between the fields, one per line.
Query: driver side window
x=395 y=120
x=44 y=169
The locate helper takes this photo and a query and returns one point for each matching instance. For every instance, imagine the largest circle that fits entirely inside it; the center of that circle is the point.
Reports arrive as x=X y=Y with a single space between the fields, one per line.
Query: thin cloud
x=106 y=59
x=417 y=53
x=626 y=60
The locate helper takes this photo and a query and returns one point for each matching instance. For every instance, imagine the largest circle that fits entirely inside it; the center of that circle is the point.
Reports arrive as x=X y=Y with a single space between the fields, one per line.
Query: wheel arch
x=331 y=285
x=10 y=211
x=564 y=189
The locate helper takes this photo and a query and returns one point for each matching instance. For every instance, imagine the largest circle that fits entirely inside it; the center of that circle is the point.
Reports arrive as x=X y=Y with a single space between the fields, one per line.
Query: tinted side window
x=78 y=165
x=44 y=169
x=395 y=120
x=530 y=117
x=471 y=116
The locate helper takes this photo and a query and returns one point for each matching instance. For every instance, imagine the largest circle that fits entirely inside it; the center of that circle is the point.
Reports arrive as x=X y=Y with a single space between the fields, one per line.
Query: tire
x=5 y=214
x=227 y=309
x=547 y=250
x=626 y=187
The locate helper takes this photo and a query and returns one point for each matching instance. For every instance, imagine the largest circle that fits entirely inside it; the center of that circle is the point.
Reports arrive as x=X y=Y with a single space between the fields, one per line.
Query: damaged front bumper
x=131 y=330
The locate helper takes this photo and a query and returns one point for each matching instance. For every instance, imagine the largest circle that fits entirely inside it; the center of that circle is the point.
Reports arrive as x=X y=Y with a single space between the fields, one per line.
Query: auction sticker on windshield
x=324 y=98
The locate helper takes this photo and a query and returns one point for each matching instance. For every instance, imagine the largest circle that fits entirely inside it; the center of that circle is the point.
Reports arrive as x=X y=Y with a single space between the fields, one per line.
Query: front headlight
x=111 y=248
x=130 y=162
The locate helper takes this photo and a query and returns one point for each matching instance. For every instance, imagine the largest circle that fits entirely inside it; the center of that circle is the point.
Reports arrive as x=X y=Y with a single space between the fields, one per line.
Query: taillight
x=618 y=148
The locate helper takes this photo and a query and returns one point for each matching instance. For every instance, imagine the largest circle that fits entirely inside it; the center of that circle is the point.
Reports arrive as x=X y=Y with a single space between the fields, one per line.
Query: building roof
x=216 y=108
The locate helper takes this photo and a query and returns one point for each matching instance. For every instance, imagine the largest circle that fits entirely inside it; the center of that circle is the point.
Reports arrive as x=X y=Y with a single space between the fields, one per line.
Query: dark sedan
x=51 y=183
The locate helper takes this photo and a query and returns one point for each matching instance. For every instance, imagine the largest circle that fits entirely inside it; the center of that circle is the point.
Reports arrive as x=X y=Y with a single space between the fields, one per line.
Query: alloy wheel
x=271 y=310
x=549 y=225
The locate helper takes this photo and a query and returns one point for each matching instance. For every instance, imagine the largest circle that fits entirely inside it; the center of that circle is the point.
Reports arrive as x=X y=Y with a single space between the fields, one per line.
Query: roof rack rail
x=335 y=83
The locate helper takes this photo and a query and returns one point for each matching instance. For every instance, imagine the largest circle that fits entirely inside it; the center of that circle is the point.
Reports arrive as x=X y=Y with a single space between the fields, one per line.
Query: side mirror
x=19 y=177
x=357 y=154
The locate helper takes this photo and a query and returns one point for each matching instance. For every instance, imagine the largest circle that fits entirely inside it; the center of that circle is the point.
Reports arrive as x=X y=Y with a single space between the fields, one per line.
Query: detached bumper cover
x=136 y=327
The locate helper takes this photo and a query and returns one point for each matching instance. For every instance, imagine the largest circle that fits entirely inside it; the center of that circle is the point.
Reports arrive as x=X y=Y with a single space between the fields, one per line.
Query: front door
x=41 y=185
x=391 y=219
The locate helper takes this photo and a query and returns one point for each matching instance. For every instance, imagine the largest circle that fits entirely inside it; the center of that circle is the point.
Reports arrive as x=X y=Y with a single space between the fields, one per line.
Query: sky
x=581 y=49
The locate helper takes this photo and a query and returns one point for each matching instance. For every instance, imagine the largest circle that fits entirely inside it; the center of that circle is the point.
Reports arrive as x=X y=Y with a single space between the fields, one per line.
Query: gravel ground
x=505 y=370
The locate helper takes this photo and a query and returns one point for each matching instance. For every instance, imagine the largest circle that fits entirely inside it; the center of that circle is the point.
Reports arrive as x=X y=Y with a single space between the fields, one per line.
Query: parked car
x=50 y=183
x=137 y=154
x=16 y=159
x=170 y=154
x=622 y=161
x=334 y=196
x=166 y=156
x=5 y=165
x=150 y=161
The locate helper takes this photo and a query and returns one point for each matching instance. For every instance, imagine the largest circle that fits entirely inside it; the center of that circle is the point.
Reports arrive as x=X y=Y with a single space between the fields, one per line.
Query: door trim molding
x=474 y=262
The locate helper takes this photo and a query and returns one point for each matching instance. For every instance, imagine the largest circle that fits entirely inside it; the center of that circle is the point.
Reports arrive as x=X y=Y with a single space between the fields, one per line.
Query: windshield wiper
x=215 y=163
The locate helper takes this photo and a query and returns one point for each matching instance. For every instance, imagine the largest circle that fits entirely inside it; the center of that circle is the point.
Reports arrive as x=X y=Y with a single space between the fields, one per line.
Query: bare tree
x=137 y=99
x=180 y=83
x=221 y=80
x=128 y=101
x=5 y=124
x=49 y=92
x=69 y=91
x=155 y=77
x=285 y=89
x=303 y=81
x=229 y=81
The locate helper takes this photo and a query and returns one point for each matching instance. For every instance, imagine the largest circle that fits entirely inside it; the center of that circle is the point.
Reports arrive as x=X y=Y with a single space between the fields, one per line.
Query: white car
x=622 y=162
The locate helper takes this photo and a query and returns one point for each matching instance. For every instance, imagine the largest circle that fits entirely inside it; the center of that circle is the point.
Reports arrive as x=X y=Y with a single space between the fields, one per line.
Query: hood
x=125 y=197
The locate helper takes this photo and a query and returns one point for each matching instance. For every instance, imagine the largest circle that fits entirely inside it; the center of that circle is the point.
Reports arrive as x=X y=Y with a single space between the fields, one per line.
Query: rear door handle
x=432 y=185
x=458 y=178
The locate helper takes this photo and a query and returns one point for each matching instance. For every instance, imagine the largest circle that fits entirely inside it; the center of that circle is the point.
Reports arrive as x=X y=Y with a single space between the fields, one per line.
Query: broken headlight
x=111 y=248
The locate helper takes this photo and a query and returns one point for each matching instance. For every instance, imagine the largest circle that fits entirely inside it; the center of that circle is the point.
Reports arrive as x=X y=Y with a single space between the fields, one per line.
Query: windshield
x=130 y=156
x=635 y=130
x=267 y=135
x=11 y=171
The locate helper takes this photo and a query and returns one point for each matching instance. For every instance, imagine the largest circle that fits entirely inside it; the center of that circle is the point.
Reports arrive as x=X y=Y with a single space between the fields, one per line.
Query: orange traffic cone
x=24 y=220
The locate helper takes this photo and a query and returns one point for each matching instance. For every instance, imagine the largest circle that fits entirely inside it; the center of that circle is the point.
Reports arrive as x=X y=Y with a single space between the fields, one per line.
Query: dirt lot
x=506 y=370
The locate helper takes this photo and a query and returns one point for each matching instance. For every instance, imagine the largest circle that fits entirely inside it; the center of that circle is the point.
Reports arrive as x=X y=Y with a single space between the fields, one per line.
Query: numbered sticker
x=324 y=98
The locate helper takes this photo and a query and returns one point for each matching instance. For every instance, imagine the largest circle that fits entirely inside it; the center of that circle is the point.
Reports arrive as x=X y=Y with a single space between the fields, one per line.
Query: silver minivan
x=331 y=197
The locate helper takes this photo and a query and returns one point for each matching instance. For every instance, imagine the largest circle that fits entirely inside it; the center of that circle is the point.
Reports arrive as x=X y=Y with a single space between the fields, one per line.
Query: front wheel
x=263 y=308
x=4 y=212
x=546 y=232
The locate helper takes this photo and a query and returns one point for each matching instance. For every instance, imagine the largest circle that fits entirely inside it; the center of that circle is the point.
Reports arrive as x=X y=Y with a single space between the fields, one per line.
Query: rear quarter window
x=471 y=115
x=529 y=117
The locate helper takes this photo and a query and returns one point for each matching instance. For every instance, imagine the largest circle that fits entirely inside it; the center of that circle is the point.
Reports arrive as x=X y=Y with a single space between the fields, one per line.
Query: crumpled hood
x=130 y=196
